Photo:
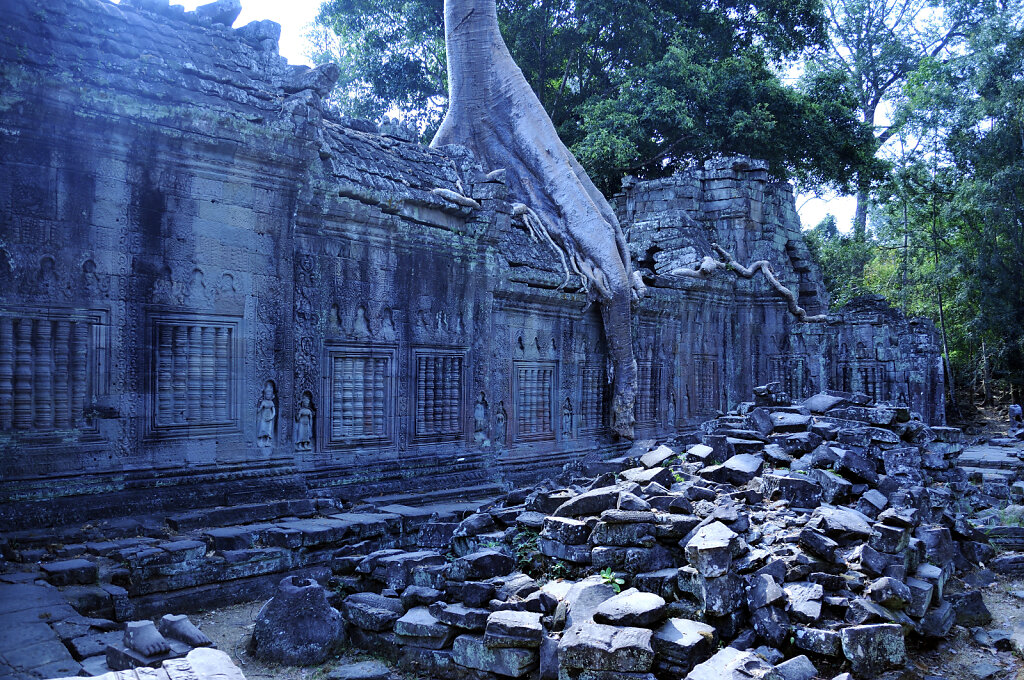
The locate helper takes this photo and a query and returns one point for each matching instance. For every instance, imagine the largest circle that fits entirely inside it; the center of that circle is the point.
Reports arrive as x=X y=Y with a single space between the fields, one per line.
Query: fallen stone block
x=682 y=643
x=371 y=611
x=600 y=647
x=873 y=649
x=731 y=664
x=632 y=608
x=513 y=629
x=471 y=652
x=712 y=548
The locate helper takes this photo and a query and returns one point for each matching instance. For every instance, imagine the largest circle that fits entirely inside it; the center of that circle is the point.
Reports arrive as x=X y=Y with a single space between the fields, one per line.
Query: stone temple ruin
x=278 y=341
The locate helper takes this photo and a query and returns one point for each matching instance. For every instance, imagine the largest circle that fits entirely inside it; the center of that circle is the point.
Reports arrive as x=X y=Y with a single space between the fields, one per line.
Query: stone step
x=241 y=514
x=479 y=492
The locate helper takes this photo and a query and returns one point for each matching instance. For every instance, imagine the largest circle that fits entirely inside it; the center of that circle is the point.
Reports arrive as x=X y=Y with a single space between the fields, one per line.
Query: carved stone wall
x=214 y=290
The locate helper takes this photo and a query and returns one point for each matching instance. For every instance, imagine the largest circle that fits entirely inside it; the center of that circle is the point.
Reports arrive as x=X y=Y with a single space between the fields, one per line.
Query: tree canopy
x=632 y=86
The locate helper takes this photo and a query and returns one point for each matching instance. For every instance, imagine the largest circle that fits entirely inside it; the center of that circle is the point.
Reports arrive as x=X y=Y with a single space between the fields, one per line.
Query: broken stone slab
x=873 y=649
x=818 y=641
x=804 y=601
x=938 y=621
x=683 y=643
x=834 y=489
x=800 y=490
x=818 y=543
x=841 y=523
x=422 y=596
x=971 y=610
x=480 y=565
x=631 y=502
x=398 y=569
x=731 y=664
x=458 y=615
x=583 y=597
x=797 y=668
x=371 y=611
x=721 y=595
x=737 y=470
x=642 y=476
x=623 y=535
x=513 y=629
x=763 y=591
x=471 y=652
x=565 y=530
x=600 y=647
x=771 y=623
x=920 y=596
x=418 y=626
x=712 y=548
x=889 y=593
x=632 y=608
x=889 y=539
x=577 y=554
x=592 y=502
x=789 y=422
x=656 y=457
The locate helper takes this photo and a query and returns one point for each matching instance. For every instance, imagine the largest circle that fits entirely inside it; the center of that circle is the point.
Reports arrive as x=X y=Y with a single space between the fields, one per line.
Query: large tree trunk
x=493 y=111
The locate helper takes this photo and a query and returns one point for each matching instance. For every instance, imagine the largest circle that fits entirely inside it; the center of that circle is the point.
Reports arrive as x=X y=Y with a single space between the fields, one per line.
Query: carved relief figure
x=480 y=422
x=567 y=419
x=266 y=416
x=195 y=294
x=500 y=425
x=304 y=423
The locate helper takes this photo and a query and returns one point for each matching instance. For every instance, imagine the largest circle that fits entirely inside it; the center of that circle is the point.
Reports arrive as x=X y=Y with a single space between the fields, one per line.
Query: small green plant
x=558 y=569
x=678 y=477
x=609 y=578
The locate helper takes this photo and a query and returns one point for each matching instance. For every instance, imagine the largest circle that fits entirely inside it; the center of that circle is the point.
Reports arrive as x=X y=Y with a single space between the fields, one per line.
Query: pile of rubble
x=793 y=538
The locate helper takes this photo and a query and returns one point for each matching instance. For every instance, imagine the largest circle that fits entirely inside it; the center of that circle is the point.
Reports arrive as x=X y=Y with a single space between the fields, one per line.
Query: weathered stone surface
x=632 y=608
x=480 y=565
x=612 y=648
x=298 y=627
x=371 y=611
x=731 y=664
x=420 y=626
x=712 y=548
x=460 y=616
x=682 y=643
x=592 y=502
x=804 y=601
x=70 y=572
x=763 y=591
x=513 y=629
x=889 y=592
x=471 y=652
x=797 y=668
x=873 y=649
x=818 y=641
x=565 y=530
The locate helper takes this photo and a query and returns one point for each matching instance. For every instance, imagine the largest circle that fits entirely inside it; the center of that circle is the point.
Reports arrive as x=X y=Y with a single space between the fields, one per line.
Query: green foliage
x=609 y=578
x=631 y=86
x=524 y=545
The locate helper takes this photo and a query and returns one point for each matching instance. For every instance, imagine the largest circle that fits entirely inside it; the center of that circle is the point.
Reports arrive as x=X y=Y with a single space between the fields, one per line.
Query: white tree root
x=456 y=198
x=709 y=265
x=536 y=225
